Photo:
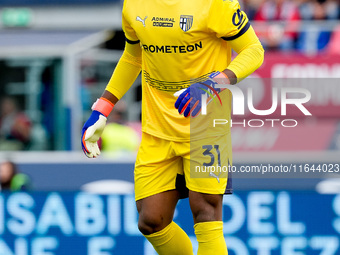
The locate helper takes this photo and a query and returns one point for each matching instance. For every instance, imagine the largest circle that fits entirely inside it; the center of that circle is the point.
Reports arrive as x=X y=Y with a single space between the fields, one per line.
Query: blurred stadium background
x=56 y=57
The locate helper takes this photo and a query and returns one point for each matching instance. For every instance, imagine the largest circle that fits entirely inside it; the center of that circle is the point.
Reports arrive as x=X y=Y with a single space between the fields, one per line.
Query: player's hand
x=189 y=100
x=91 y=132
x=94 y=127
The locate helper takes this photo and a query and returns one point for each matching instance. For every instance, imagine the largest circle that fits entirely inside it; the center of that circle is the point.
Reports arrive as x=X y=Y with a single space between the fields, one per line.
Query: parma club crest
x=185 y=22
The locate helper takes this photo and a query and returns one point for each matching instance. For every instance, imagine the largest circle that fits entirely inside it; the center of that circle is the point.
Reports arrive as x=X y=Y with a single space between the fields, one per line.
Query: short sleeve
x=130 y=33
x=227 y=20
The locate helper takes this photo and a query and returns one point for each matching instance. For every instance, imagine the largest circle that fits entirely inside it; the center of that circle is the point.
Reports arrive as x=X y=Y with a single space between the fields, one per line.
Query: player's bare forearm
x=231 y=75
x=109 y=96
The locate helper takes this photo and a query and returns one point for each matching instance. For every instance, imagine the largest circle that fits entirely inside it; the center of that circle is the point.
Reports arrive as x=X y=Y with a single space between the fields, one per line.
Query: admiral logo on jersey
x=186 y=22
x=162 y=22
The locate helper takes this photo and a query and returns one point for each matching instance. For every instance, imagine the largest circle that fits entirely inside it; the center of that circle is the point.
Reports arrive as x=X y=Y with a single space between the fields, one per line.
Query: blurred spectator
x=15 y=126
x=279 y=37
x=117 y=137
x=287 y=33
x=316 y=38
x=319 y=9
x=250 y=7
x=333 y=9
x=11 y=179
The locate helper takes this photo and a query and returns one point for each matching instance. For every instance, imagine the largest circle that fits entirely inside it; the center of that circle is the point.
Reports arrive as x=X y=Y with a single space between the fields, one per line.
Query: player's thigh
x=206 y=167
x=156 y=167
x=157 y=211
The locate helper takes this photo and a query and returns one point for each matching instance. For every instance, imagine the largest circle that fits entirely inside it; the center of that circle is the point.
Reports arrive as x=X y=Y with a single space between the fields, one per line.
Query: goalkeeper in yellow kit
x=179 y=46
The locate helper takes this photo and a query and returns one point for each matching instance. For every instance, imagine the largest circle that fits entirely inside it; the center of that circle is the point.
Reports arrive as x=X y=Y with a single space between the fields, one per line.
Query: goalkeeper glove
x=94 y=126
x=189 y=100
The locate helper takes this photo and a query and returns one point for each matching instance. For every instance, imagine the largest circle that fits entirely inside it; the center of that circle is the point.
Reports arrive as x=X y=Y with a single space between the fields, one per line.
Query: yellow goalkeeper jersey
x=182 y=41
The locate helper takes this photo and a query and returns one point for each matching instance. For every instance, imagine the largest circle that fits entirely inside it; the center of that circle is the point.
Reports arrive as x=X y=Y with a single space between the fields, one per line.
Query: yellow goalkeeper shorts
x=161 y=165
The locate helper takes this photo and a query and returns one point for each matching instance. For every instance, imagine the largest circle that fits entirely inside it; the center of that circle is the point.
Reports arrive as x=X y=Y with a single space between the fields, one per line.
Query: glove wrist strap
x=103 y=106
x=221 y=78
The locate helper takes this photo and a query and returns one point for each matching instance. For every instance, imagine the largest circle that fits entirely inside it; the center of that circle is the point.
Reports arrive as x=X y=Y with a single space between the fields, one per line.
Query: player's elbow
x=260 y=51
x=258 y=54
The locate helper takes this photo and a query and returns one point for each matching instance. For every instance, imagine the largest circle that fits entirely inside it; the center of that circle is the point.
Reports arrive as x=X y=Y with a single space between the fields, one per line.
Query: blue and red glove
x=189 y=101
x=94 y=127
